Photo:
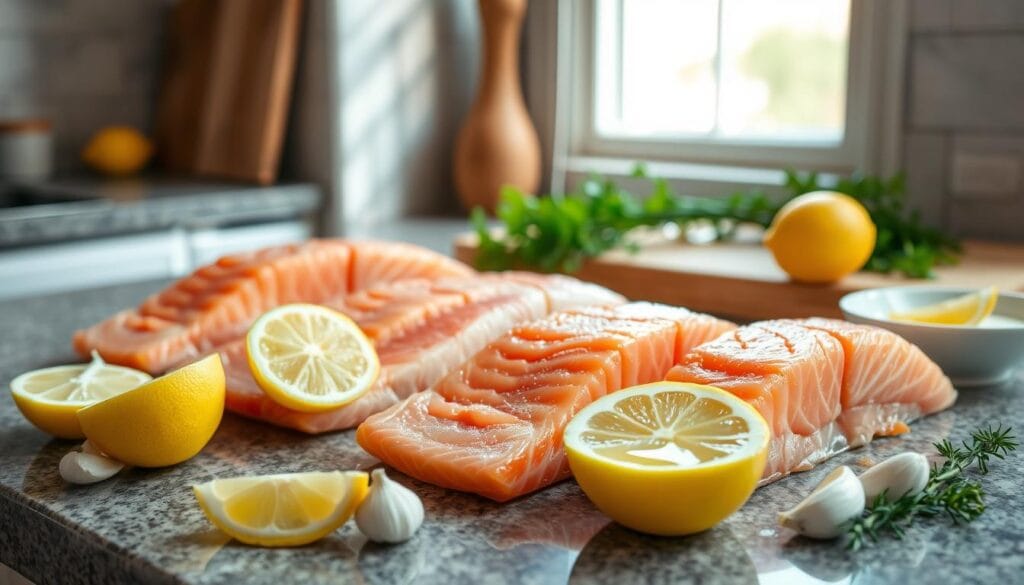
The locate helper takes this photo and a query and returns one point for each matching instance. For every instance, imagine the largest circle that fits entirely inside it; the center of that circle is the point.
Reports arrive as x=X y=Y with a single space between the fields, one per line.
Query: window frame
x=871 y=140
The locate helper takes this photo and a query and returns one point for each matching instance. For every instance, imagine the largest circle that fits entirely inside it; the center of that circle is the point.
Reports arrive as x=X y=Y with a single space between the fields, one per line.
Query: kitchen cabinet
x=166 y=254
x=68 y=234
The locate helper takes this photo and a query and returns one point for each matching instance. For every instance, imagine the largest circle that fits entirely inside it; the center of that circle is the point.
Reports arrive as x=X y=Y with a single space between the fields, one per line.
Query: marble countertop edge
x=87 y=557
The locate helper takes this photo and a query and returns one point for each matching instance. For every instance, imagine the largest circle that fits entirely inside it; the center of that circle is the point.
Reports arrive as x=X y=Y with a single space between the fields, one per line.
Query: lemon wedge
x=163 y=422
x=968 y=309
x=668 y=458
x=310 y=358
x=50 y=398
x=288 y=509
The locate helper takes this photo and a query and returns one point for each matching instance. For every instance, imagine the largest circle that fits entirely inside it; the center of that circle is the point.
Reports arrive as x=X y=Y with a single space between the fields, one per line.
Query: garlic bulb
x=837 y=499
x=88 y=466
x=906 y=473
x=391 y=512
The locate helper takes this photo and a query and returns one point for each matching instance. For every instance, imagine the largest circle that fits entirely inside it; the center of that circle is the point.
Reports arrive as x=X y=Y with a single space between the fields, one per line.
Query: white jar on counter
x=26 y=150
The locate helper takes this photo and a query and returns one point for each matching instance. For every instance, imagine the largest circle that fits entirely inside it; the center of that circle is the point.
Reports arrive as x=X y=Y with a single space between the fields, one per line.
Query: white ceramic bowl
x=971 y=356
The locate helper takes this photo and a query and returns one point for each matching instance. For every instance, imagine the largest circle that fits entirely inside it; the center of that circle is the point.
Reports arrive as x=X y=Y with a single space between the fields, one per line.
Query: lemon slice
x=288 y=509
x=968 y=309
x=668 y=458
x=310 y=358
x=163 y=422
x=50 y=398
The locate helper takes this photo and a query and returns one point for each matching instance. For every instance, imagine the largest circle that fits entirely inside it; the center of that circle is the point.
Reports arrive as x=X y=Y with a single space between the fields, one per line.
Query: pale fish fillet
x=218 y=302
x=421 y=331
x=823 y=385
x=494 y=425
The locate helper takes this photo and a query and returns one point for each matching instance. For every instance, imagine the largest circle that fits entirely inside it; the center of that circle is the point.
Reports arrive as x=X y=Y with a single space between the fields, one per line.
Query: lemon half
x=163 y=422
x=310 y=358
x=289 y=509
x=50 y=398
x=968 y=309
x=668 y=458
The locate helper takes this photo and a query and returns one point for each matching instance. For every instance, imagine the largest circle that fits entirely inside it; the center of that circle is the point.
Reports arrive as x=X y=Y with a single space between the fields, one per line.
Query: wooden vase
x=497 y=144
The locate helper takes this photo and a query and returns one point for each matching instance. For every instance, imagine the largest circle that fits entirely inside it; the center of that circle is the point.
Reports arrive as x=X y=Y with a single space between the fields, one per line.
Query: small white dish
x=981 y=355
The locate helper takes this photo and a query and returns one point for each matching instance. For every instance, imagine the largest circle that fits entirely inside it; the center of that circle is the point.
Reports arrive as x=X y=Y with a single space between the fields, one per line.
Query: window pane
x=784 y=69
x=710 y=70
x=668 y=67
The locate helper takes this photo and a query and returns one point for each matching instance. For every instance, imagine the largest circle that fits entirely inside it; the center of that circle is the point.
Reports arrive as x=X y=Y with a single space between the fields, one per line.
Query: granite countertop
x=144 y=525
x=65 y=209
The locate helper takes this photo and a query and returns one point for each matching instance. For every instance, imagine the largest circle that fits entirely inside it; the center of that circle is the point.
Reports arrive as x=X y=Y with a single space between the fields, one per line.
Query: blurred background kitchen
x=142 y=138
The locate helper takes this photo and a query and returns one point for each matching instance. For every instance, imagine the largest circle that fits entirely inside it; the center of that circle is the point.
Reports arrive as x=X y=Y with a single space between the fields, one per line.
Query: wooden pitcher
x=497 y=144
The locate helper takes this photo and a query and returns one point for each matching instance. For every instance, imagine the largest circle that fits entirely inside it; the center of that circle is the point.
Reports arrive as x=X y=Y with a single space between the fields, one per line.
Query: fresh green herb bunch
x=558 y=232
x=948 y=490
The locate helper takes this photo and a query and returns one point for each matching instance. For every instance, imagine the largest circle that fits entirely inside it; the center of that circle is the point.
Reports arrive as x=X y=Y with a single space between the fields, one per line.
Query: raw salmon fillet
x=494 y=426
x=823 y=385
x=421 y=331
x=217 y=303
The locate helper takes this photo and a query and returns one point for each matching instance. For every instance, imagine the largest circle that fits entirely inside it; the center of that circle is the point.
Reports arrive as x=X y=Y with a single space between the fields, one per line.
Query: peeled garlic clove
x=85 y=468
x=838 y=499
x=391 y=512
x=899 y=475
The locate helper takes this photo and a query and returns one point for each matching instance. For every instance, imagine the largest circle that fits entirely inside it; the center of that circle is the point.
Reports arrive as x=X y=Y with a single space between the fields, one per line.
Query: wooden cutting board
x=226 y=87
x=742 y=280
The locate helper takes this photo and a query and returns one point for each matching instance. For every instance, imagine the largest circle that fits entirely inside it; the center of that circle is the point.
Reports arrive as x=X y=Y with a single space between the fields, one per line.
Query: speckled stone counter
x=144 y=526
x=68 y=209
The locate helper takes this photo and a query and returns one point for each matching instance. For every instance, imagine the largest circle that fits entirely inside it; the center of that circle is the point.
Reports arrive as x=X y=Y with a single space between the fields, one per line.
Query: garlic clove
x=85 y=468
x=835 y=501
x=390 y=512
x=899 y=475
x=91 y=449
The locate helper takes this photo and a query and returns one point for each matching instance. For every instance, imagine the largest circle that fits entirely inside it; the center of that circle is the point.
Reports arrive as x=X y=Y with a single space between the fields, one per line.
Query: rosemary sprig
x=948 y=490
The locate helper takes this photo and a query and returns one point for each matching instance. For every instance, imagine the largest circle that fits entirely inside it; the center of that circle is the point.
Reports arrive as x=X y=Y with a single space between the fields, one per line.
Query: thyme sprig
x=949 y=489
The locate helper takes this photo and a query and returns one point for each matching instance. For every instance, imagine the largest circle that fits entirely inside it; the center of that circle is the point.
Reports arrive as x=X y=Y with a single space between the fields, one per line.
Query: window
x=719 y=70
x=746 y=84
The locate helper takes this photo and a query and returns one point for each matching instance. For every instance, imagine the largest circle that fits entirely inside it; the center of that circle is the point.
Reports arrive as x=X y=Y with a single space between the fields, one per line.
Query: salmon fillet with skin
x=823 y=385
x=421 y=331
x=494 y=426
x=218 y=302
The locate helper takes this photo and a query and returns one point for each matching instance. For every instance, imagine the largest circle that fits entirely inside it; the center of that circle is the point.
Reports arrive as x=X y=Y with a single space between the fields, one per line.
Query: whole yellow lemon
x=118 y=151
x=821 y=237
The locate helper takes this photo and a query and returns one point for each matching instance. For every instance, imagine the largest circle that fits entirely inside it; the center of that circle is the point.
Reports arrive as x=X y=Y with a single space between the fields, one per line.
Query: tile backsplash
x=83 y=64
x=964 y=134
x=89 y=63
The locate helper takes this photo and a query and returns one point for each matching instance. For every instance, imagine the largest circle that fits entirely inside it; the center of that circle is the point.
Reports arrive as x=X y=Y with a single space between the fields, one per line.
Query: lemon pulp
x=646 y=430
x=969 y=309
x=50 y=398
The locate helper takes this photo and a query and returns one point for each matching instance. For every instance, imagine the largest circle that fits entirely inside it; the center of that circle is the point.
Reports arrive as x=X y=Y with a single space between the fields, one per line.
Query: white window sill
x=684 y=178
